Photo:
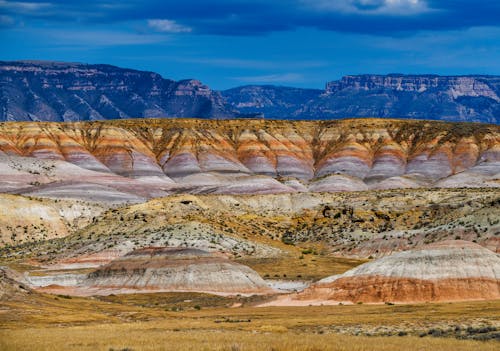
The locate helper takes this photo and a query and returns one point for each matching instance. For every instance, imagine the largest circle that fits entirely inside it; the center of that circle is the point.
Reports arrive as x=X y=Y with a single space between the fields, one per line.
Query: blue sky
x=226 y=43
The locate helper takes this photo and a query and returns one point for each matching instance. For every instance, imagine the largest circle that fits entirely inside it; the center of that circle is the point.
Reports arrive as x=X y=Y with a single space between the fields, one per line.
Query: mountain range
x=58 y=91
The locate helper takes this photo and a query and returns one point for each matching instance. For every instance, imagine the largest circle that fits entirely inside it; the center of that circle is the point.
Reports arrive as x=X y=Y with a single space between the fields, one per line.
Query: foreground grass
x=146 y=322
x=152 y=336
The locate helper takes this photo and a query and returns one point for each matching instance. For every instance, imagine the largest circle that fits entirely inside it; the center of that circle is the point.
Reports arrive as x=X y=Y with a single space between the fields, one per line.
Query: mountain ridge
x=69 y=91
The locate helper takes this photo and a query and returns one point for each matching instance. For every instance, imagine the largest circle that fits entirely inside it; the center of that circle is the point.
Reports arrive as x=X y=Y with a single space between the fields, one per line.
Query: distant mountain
x=55 y=91
x=452 y=98
x=272 y=101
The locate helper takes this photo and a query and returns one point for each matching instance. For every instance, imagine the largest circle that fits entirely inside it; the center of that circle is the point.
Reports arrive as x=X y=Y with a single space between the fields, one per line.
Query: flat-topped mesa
x=456 y=86
x=445 y=271
x=175 y=269
x=58 y=91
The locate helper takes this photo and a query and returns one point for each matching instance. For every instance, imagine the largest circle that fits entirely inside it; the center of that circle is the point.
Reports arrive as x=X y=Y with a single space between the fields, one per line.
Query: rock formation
x=452 y=98
x=58 y=91
x=175 y=269
x=135 y=160
x=444 y=271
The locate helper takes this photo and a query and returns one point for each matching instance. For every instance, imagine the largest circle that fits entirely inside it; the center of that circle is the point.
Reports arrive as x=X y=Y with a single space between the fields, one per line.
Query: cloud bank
x=257 y=17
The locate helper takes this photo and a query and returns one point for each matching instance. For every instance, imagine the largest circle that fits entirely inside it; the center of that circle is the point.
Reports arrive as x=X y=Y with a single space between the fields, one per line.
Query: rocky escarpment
x=452 y=98
x=173 y=269
x=444 y=271
x=58 y=91
x=139 y=159
x=54 y=91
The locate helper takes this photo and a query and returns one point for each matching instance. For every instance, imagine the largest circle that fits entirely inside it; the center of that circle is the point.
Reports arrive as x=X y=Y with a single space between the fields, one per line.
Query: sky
x=228 y=43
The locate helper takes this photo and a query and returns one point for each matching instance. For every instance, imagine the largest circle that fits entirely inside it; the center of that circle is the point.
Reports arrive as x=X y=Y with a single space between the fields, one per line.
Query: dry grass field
x=151 y=336
x=147 y=322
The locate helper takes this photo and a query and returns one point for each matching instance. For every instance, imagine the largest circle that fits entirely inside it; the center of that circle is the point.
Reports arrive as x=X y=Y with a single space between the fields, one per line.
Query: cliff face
x=455 y=86
x=54 y=91
x=453 y=98
x=459 y=98
x=153 y=158
x=51 y=91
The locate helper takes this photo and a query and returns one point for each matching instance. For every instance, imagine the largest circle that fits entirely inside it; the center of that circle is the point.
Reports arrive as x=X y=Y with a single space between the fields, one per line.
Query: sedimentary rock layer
x=151 y=158
x=175 y=269
x=444 y=271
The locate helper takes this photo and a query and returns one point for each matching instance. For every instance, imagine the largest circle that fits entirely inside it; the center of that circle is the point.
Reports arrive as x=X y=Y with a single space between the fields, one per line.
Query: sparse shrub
x=435 y=332
x=64 y=296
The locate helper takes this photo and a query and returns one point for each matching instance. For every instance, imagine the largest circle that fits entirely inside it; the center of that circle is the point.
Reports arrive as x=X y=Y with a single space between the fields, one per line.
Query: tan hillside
x=25 y=219
x=286 y=236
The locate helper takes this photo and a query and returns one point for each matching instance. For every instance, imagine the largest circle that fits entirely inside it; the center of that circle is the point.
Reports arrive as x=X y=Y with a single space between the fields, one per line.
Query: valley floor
x=183 y=322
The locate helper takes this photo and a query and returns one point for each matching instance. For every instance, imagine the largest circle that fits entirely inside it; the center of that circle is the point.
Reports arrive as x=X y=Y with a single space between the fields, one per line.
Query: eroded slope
x=135 y=160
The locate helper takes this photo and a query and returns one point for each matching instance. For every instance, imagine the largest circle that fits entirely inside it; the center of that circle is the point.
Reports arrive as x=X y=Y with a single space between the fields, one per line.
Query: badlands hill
x=175 y=269
x=134 y=160
x=278 y=234
x=444 y=271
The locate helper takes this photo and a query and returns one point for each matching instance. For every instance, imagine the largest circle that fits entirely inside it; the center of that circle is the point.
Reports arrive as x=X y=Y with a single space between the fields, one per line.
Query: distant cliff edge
x=59 y=91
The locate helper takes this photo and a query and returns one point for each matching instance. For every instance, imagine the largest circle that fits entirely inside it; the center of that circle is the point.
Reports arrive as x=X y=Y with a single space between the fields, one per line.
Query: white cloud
x=23 y=6
x=168 y=26
x=370 y=7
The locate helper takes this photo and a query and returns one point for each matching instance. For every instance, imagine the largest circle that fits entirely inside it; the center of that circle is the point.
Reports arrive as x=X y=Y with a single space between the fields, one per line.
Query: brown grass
x=151 y=336
x=46 y=322
x=297 y=266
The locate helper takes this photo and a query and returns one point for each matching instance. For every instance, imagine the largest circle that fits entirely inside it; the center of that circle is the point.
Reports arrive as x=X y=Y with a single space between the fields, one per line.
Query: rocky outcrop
x=175 y=269
x=444 y=271
x=56 y=91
